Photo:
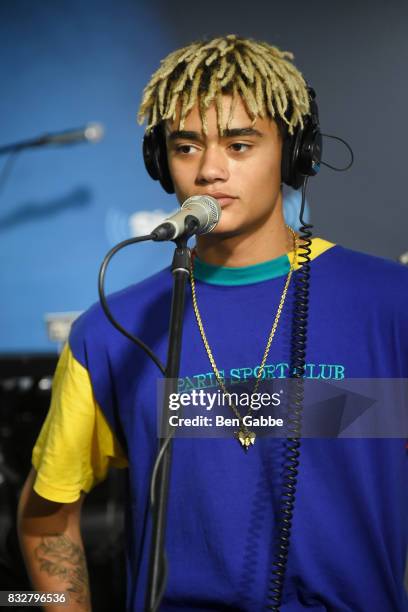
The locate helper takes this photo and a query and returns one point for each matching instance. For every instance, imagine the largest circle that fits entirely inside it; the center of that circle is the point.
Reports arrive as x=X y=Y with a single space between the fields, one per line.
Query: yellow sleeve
x=76 y=445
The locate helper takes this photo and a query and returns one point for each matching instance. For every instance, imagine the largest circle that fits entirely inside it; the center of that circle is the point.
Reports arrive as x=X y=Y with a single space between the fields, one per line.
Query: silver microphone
x=201 y=211
x=92 y=132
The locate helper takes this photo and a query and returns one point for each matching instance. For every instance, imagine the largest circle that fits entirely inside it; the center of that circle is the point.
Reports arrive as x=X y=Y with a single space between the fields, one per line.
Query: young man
x=224 y=108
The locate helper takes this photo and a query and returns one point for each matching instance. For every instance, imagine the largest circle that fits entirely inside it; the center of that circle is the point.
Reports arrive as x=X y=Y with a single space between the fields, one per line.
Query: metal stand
x=157 y=572
x=16 y=147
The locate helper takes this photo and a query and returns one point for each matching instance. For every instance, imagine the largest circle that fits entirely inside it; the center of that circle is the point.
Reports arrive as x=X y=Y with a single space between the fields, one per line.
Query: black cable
x=294 y=414
x=104 y=303
x=349 y=148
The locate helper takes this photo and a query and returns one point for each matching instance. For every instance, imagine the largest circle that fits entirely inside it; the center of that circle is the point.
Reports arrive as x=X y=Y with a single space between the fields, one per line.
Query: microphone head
x=94 y=132
x=209 y=208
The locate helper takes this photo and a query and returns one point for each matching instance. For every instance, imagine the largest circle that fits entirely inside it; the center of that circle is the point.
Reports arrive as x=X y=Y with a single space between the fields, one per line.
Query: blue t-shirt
x=349 y=532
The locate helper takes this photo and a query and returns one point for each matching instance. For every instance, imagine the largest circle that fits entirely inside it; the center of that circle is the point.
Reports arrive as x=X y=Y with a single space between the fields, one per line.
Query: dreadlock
x=202 y=72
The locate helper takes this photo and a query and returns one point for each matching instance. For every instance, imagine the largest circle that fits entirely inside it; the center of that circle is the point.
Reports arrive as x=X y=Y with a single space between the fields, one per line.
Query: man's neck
x=260 y=245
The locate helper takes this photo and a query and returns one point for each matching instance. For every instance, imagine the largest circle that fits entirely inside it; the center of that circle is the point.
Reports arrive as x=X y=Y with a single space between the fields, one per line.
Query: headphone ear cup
x=290 y=150
x=155 y=158
x=149 y=156
x=302 y=152
x=310 y=153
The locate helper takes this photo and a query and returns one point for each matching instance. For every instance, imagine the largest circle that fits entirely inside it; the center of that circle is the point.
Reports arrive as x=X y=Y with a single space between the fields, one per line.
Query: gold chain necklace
x=243 y=435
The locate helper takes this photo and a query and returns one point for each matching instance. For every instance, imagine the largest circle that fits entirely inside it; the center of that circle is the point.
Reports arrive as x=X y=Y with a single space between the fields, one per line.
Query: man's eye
x=240 y=147
x=185 y=149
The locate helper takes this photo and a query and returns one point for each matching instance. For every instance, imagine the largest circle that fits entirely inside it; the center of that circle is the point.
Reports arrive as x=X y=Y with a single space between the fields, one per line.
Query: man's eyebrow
x=247 y=131
x=227 y=133
x=180 y=134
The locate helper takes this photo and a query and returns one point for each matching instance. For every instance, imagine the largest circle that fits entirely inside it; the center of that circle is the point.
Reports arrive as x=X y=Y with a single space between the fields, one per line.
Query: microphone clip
x=166 y=231
x=182 y=257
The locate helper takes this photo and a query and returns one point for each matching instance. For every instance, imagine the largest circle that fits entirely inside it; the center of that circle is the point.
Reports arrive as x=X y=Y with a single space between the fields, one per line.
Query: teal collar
x=247 y=275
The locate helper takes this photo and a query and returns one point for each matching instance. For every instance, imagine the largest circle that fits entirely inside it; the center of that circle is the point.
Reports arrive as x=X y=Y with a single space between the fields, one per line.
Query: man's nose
x=213 y=166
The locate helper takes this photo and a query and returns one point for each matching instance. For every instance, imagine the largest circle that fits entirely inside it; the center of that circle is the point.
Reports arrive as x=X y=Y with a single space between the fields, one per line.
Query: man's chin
x=222 y=232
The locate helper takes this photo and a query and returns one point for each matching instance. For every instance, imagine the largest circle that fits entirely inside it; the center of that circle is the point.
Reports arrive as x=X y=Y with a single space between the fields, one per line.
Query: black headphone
x=301 y=152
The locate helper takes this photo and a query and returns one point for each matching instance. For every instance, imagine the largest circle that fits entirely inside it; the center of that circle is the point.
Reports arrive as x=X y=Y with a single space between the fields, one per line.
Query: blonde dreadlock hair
x=202 y=72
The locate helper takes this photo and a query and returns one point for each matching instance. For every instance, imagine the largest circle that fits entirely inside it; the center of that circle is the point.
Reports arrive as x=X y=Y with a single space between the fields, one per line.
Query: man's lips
x=222 y=198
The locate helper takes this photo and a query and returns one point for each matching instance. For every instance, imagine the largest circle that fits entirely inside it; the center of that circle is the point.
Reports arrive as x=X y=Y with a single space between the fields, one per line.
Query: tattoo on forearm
x=61 y=557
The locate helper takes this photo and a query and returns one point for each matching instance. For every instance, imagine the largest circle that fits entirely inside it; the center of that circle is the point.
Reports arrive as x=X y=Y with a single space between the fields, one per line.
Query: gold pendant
x=246 y=438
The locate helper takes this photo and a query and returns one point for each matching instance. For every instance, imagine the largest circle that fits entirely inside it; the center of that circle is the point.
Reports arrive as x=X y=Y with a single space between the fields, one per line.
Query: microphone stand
x=23 y=144
x=157 y=570
x=93 y=132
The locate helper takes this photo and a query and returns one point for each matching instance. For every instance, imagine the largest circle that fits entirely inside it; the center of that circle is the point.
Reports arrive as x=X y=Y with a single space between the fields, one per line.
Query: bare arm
x=50 y=539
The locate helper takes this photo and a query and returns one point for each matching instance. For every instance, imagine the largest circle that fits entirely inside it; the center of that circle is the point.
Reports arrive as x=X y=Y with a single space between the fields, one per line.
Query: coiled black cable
x=294 y=414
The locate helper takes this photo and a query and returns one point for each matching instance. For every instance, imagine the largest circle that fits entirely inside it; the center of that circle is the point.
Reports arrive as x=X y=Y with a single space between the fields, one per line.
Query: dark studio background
x=69 y=62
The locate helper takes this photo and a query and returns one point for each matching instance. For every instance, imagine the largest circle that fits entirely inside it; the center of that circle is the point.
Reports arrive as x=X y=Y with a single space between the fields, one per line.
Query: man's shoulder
x=357 y=265
x=131 y=307
x=147 y=290
x=363 y=278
